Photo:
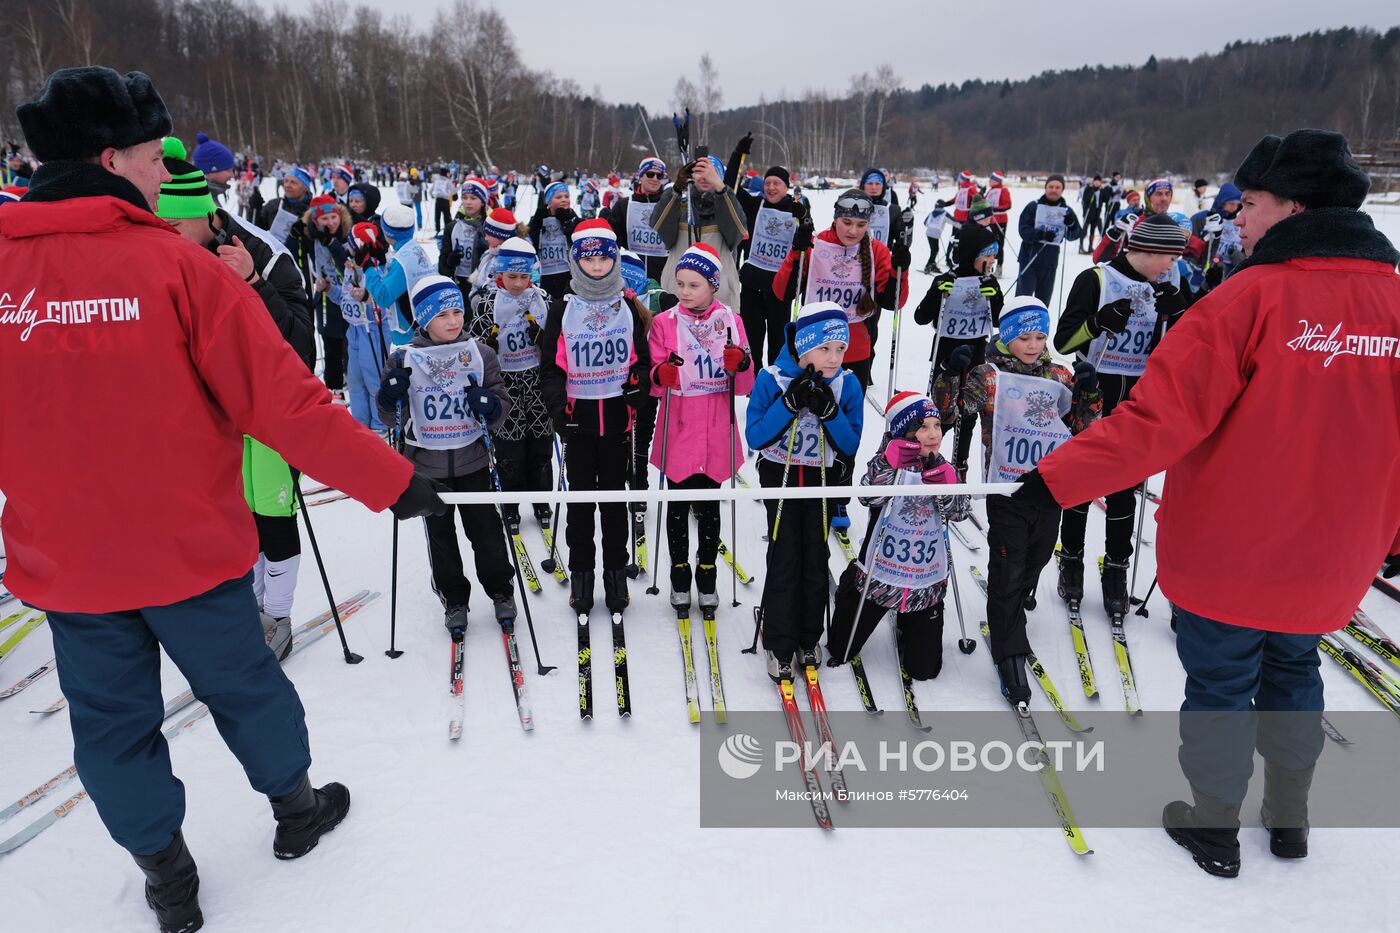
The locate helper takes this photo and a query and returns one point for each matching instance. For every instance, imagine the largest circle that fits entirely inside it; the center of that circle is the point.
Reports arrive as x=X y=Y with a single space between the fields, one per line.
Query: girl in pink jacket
x=703 y=352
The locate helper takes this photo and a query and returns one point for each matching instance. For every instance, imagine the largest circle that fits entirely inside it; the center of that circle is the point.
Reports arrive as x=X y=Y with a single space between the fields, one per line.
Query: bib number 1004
x=1021 y=451
x=591 y=354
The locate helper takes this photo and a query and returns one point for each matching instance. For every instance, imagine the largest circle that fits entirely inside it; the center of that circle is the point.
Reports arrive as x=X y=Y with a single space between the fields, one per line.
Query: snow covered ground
x=594 y=826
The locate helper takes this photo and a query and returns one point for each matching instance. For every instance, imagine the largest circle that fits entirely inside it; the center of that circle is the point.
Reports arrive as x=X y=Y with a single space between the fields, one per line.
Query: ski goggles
x=857 y=206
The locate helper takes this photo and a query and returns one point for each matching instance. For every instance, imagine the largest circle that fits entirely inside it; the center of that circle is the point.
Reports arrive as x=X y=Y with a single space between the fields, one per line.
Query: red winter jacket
x=132 y=362
x=999 y=198
x=1274 y=407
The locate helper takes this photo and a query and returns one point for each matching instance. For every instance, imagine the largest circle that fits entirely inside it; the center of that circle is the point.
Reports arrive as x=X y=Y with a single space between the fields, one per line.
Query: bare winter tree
x=711 y=94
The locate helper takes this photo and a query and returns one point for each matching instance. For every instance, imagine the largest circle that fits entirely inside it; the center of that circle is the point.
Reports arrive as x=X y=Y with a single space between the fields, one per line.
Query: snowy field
x=594 y=826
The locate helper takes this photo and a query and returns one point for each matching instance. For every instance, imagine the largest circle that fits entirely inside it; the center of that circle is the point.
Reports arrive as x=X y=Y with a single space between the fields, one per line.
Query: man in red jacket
x=132 y=361
x=1274 y=407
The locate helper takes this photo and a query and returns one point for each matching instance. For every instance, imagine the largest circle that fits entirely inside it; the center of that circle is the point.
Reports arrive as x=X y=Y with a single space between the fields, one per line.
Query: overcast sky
x=634 y=51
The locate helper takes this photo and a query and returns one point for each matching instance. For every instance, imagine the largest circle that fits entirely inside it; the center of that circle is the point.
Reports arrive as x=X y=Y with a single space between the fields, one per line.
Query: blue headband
x=434 y=297
x=552 y=190
x=826 y=324
x=1032 y=319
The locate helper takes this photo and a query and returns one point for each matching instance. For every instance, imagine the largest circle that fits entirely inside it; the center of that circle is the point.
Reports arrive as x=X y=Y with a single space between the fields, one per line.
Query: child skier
x=550 y=231
x=804 y=410
x=368 y=337
x=905 y=552
x=593 y=373
x=462 y=241
x=441 y=388
x=1021 y=396
x=508 y=315
x=1115 y=316
x=703 y=351
x=500 y=226
x=963 y=305
x=390 y=281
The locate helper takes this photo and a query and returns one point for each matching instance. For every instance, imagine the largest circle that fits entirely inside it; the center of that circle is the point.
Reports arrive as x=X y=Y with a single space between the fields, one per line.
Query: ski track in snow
x=594 y=826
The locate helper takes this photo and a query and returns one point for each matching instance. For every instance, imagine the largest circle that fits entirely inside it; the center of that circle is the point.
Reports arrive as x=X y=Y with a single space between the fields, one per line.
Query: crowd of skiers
x=612 y=335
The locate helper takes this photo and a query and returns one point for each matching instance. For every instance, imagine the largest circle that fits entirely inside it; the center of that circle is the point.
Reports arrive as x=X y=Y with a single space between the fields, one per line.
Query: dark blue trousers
x=1038 y=279
x=109 y=668
x=1246 y=689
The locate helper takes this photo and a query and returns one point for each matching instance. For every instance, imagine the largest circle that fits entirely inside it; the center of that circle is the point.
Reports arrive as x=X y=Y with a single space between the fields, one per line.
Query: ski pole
x=826 y=533
x=661 y=506
x=514 y=559
x=632 y=568
x=1137 y=537
x=874 y=549
x=733 y=480
x=965 y=645
x=894 y=357
x=393 y=652
x=777 y=518
x=553 y=558
x=350 y=656
x=1142 y=609
x=1060 y=291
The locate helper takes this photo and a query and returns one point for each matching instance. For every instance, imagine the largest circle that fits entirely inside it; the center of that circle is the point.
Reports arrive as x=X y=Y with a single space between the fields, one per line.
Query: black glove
x=899 y=256
x=454 y=258
x=1034 y=492
x=1391 y=567
x=802 y=239
x=298 y=231
x=482 y=402
x=959 y=361
x=1214 y=275
x=1047 y=235
x=492 y=339
x=567 y=425
x=1165 y=291
x=944 y=281
x=532 y=329
x=1113 y=317
x=795 y=398
x=422 y=497
x=682 y=178
x=745 y=145
x=988 y=286
x=637 y=387
x=393 y=386
x=821 y=401
x=1086 y=378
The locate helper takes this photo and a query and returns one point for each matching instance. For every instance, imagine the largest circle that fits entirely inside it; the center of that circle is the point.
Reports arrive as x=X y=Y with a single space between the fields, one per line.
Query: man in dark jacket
x=1045 y=223
x=182 y=354
x=282 y=217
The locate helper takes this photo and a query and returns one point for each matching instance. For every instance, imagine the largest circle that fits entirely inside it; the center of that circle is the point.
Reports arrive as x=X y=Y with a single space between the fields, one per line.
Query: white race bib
x=641 y=239
x=771 y=239
x=554 y=248
x=1051 y=218
x=701 y=345
x=464 y=239
x=1125 y=354
x=807 y=444
x=597 y=346
x=880 y=223
x=1027 y=424
x=911 y=552
x=282 y=224
x=517 y=353
x=437 y=394
x=967 y=314
x=834 y=275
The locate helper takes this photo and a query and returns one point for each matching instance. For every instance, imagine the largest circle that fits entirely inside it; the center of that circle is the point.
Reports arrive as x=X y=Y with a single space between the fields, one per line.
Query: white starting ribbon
x=724 y=494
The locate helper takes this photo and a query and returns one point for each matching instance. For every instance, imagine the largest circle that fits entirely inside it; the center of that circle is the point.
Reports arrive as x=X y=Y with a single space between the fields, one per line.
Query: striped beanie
x=186 y=194
x=500 y=224
x=998 y=178
x=322 y=204
x=1022 y=315
x=343 y=171
x=651 y=164
x=1157 y=233
x=1158 y=184
x=906 y=411
x=399 y=222
x=432 y=295
x=594 y=238
x=516 y=255
x=979 y=209
x=551 y=191
x=476 y=188
x=818 y=323
x=965 y=177
x=701 y=258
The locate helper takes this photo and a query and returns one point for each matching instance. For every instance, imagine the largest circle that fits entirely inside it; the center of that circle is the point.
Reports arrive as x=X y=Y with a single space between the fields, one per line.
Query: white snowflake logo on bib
x=917 y=509
x=597 y=317
x=1040 y=408
x=841 y=267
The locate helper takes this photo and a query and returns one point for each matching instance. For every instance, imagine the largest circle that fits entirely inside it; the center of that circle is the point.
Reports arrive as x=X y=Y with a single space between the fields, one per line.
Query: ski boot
x=840 y=521
x=305 y=815
x=680 y=586
x=543 y=516
x=172 y=887
x=1115 y=587
x=931 y=267
x=1029 y=603
x=455 y=621
x=705 y=576
x=1014 y=685
x=278 y=635
x=615 y=590
x=1071 y=584
x=504 y=605
x=1285 y=810
x=510 y=517
x=810 y=657
x=581 y=592
x=779 y=670
x=1209 y=831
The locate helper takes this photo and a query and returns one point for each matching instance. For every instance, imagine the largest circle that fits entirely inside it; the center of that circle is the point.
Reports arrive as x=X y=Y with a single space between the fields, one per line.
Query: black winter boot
x=1014 y=685
x=615 y=590
x=581 y=591
x=305 y=815
x=172 y=887
x=1115 y=587
x=1285 y=810
x=1071 y=585
x=680 y=586
x=1210 y=831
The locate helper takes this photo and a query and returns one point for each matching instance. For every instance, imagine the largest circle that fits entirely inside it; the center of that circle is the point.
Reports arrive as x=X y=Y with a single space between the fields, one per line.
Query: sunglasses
x=653 y=174
x=853 y=203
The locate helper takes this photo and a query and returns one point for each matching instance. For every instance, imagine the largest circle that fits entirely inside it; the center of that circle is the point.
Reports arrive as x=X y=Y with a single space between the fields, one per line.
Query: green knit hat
x=186 y=194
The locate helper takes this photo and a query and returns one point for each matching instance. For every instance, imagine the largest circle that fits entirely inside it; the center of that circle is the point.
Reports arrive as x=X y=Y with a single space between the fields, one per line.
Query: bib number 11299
x=590 y=354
